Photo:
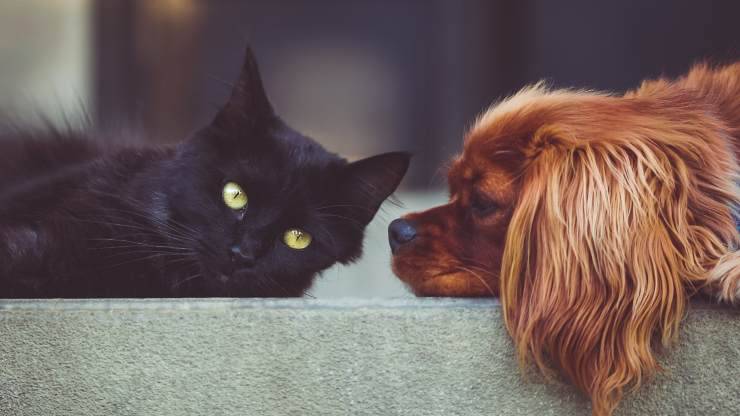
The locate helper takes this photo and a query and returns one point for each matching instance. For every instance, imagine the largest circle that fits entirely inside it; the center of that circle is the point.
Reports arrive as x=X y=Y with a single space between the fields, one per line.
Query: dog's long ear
x=605 y=240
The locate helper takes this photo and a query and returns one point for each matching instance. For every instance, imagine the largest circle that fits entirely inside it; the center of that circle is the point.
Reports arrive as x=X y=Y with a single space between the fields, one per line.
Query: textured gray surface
x=312 y=357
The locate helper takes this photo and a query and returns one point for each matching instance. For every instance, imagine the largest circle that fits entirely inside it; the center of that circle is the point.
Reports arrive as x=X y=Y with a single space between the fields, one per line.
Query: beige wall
x=339 y=93
x=44 y=57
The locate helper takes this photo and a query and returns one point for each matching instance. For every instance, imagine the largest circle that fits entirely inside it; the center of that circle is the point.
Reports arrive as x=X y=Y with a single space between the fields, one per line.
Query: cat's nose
x=400 y=232
x=241 y=258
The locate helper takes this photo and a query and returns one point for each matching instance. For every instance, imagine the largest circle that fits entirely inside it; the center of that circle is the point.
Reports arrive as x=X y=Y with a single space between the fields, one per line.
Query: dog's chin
x=430 y=281
x=455 y=284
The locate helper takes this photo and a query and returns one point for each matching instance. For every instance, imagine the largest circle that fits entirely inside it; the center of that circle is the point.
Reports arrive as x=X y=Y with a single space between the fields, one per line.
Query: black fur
x=78 y=219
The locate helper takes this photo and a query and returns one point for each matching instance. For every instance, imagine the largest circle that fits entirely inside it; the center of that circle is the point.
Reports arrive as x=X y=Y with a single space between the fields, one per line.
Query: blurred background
x=362 y=77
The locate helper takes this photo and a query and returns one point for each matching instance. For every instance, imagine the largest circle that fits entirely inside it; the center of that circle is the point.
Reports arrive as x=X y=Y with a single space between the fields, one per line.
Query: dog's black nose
x=400 y=232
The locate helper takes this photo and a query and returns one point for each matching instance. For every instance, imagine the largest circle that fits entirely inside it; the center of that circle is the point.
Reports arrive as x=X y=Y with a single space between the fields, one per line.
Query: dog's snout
x=400 y=232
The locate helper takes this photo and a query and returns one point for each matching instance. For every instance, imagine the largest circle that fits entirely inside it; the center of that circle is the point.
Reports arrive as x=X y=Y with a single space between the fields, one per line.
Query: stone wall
x=319 y=357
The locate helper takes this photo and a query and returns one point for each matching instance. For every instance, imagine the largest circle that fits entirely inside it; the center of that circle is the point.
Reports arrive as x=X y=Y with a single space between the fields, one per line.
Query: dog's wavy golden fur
x=594 y=217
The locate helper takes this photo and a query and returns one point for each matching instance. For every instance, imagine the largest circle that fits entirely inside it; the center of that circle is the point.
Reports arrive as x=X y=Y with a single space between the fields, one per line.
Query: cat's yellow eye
x=234 y=196
x=297 y=239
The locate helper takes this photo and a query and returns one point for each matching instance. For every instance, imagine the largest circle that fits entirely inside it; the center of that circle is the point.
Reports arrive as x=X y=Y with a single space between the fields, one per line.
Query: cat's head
x=270 y=207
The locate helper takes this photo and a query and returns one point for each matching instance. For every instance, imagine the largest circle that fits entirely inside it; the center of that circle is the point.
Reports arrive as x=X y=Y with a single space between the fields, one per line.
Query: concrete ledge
x=312 y=357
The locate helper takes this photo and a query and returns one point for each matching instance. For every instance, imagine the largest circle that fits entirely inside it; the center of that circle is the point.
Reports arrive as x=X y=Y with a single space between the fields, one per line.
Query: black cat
x=246 y=207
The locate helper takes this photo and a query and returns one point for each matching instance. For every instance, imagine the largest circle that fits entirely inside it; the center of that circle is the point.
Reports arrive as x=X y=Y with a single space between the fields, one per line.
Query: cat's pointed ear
x=368 y=182
x=248 y=104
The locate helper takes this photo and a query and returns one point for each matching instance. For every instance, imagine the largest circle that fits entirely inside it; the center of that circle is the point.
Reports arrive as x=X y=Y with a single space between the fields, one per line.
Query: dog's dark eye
x=482 y=206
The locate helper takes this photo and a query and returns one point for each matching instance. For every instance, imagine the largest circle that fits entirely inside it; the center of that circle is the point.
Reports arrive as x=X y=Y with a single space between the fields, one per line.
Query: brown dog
x=594 y=217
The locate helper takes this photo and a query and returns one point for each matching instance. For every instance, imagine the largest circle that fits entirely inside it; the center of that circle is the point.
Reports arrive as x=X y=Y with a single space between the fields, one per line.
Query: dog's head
x=591 y=216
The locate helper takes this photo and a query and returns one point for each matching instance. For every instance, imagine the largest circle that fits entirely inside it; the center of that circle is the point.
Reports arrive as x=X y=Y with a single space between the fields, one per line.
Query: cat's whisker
x=187 y=279
x=205 y=247
x=138 y=259
x=324 y=207
x=176 y=236
x=395 y=201
x=189 y=260
x=308 y=294
x=137 y=244
x=113 y=244
x=143 y=230
x=353 y=221
x=172 y=226
x=137 y=251
x=266 y=283
x=110 y=223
